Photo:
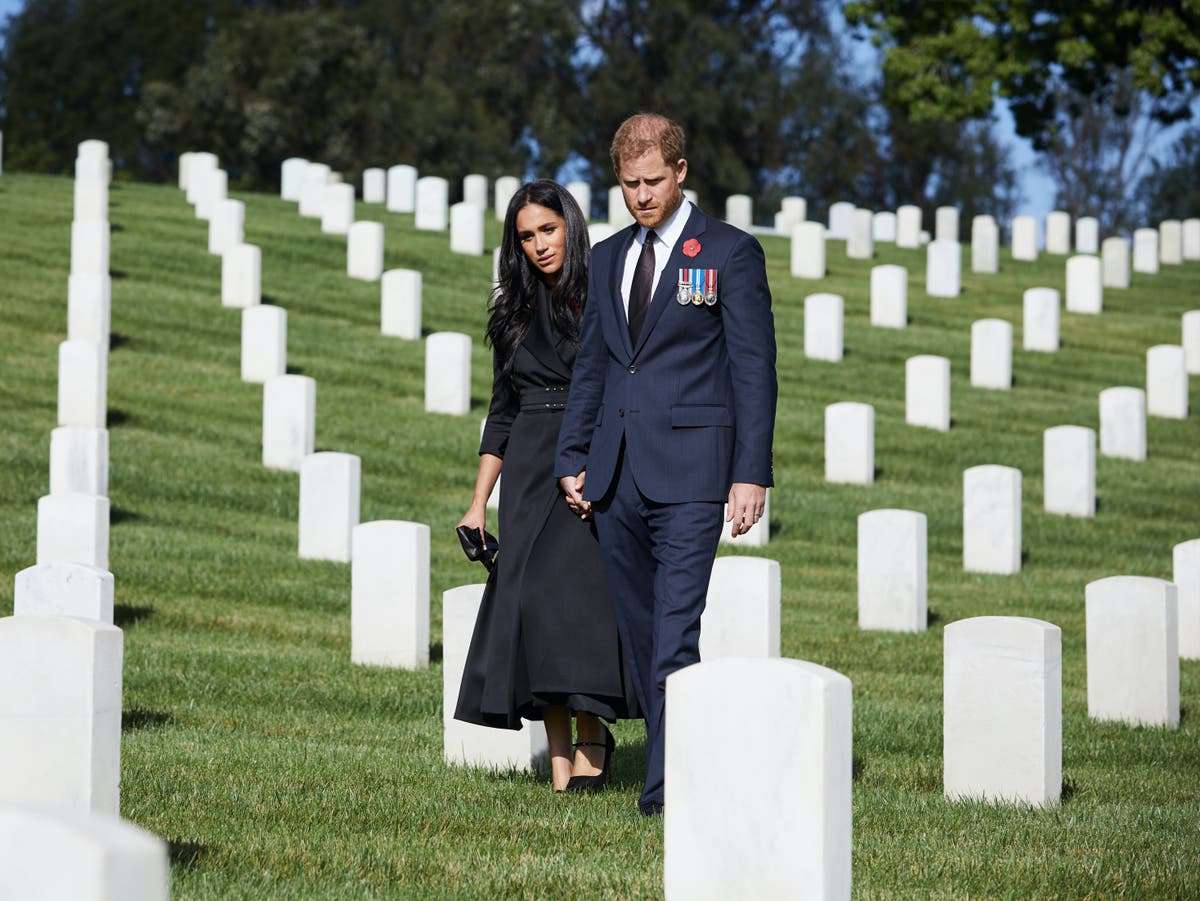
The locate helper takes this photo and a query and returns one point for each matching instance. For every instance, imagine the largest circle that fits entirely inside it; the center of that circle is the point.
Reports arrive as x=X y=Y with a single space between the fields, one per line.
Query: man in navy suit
x=671 y=411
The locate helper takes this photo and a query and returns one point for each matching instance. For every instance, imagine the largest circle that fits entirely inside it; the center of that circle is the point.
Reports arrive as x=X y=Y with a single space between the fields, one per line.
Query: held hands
x=745 y=507
x=572 y=487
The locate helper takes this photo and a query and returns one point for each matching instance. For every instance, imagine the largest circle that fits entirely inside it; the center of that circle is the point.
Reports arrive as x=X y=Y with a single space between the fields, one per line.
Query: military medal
x=697 y=287
x=683 y=291
x=710 y=287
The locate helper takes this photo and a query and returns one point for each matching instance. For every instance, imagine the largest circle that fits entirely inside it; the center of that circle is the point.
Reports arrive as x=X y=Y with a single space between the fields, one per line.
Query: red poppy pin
x=691 y=247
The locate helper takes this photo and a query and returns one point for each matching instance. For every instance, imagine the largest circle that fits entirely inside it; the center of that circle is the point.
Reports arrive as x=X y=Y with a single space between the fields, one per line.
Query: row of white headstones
x=742 y=618
x=61 y=657
x=736 y=633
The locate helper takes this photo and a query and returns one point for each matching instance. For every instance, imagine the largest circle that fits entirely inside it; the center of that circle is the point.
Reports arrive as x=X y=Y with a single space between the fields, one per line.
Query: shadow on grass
x=117 y=273
x=125 y=615
x=137 y=719
x=856 y=768
x=932 y=617
x=186 y=854
x=114 y=227
x=118 y=417
x=1067 y=792
x=878 y=474
x=116 y=339
x=121 y=514
x=269 y=299
x=295 y=370
x=435 y=652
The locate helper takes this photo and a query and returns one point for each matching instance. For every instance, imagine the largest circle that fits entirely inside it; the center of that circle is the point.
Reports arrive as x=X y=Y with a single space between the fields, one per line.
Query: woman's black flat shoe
x=600 y=780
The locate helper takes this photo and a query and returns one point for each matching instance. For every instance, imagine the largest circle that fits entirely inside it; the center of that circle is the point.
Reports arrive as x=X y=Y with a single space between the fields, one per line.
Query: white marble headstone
x=992 y=519
x=991 y=354
x=859 y=243
x=823 y=327
x=1087 y=235
x=840 y=215
x=1170 y=242
x=90 y=247
x=1166 y=382
x=739 y=211
x=448 y=373
x=808 y=250
x=1123 y=423
x=400 y=310
x=850 y=443
x=49 y=852
x=289 y=421
x=781 y=828
x=60 y=713
x=985 y=245
x=226 y=226
x=883 y=227
x=291 y=178
x=401 y=189
x=433 y=203
x=83 y=384
x=466 y=229
x=908 y=226
x=742 y=610
x=1185 y=557
x=264 y=343
x=889 y=296
x=1145 y=250
x=330 y=498
x=374 y=185
x=1190 y=323
x=1039 y=322
x=73 y=528
x=1114 y=253
x=89 y=308
x=337 y=209
x=241 y=276
x=364 y=251
x=1069 y=470
x=1002 y=710
x=1133 y=650
x=64 y=589
x=79 y=460
x=1024 y=238
x=475 y=190
x=582 y=192
x=1085 y=294
x=892 y=570
x=945 y=223
x=1191 y=239
x=504 y=189
x=389 y=594
x=927 y=392
x=943 y=269
x=1058 y=232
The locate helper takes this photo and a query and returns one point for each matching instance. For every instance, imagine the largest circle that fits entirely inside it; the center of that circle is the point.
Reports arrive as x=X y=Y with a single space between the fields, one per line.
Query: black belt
x=543 y=400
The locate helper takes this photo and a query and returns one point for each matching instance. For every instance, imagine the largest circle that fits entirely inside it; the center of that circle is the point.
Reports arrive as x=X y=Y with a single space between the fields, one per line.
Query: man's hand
x=572 y=487
x=745 y=507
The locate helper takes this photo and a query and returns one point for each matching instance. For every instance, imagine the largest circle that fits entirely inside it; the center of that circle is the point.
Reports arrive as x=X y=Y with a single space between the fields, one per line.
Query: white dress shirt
x=665 y=238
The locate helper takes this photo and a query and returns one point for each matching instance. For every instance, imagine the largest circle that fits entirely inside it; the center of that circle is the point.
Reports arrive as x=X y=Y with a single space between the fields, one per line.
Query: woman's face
x=543 y=236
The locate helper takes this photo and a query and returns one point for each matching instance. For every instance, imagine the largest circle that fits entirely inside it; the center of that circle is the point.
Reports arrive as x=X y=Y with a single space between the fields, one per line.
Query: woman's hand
x=475 y=518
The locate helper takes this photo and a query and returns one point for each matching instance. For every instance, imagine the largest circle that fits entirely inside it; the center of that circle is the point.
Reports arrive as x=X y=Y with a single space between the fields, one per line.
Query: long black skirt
x=546 y=634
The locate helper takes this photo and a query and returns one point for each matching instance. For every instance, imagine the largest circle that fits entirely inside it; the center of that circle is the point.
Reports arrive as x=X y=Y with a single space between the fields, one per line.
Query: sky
x=1037 y=189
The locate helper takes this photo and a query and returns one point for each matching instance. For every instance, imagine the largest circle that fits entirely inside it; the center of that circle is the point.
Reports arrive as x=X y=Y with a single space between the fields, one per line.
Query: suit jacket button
x=632 y=369
x=621 y=412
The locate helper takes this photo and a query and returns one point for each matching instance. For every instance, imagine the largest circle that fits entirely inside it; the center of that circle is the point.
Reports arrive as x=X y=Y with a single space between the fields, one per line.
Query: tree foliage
x=946 y=60
x=1171 y=189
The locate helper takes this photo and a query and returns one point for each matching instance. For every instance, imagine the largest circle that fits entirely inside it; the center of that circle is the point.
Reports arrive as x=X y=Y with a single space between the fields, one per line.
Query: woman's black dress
x=546 y=633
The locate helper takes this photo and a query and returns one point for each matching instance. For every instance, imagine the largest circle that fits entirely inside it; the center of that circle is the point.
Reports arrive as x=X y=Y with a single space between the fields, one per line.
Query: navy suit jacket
x=694 y=401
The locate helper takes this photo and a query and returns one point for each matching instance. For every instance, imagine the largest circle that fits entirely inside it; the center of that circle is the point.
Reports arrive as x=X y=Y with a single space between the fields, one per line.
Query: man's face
x=653 y=189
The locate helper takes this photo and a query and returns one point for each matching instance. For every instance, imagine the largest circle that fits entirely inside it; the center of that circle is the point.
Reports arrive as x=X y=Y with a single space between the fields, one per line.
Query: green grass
x=277 y=769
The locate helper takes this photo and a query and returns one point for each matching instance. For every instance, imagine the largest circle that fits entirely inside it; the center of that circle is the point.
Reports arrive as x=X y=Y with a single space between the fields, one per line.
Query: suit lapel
x=616 y=273
x=664 y=294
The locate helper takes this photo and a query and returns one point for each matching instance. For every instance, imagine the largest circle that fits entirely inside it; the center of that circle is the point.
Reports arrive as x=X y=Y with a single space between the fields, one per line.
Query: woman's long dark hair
x=512 y=300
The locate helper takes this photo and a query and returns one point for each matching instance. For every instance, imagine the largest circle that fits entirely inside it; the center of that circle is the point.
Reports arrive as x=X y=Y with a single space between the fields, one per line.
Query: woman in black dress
x=545 y=643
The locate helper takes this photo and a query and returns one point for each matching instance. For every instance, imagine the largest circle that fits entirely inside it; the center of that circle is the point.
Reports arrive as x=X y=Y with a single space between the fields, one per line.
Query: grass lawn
x=275 y=768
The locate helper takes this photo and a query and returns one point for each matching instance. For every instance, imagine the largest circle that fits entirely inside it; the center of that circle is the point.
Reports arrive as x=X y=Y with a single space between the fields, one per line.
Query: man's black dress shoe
x=651 y=809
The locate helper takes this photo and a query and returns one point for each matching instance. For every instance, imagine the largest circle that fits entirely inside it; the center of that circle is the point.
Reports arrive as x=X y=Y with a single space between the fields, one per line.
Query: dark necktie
x=639 y=291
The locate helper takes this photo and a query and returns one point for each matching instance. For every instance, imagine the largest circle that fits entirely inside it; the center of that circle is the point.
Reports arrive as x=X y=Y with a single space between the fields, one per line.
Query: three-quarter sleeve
x=501 y=413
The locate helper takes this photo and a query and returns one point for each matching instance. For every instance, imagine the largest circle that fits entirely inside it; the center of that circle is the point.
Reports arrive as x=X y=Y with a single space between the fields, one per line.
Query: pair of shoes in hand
x=600 y=780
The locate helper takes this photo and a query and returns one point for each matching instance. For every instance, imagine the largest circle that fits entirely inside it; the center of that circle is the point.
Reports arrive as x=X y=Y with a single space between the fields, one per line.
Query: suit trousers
x=658 y=559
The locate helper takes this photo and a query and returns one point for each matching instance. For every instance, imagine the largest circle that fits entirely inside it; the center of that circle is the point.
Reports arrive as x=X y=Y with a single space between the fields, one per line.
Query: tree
x=1171 y=189
x=75 y=69
x=946 y=60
